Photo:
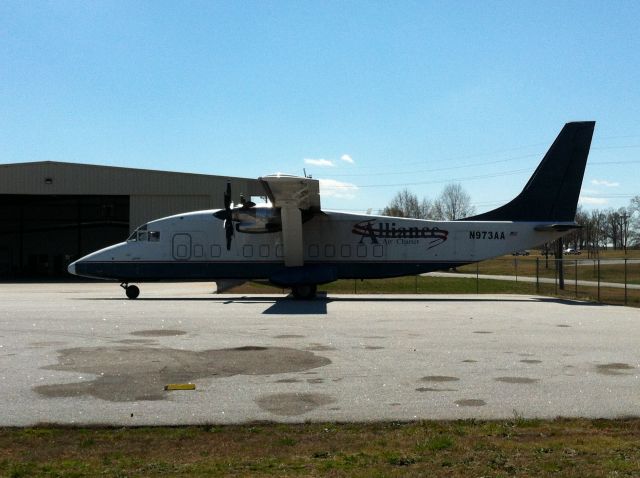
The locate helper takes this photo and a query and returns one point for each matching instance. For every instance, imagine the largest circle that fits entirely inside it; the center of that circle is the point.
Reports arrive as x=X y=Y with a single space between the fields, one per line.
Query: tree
x=453 y=203
x=406 y=204
x=634 y=221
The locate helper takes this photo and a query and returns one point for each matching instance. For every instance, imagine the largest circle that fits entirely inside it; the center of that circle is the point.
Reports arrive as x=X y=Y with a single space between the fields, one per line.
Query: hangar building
x=52 y=213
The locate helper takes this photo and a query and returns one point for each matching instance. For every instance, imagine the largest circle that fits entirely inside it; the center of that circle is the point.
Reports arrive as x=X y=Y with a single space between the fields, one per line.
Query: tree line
x=601 y=228
x=607 y=228
x=452 y=203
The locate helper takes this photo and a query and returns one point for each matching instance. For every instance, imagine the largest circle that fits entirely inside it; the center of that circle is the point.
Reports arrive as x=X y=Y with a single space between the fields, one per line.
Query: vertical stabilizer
x=552 y=192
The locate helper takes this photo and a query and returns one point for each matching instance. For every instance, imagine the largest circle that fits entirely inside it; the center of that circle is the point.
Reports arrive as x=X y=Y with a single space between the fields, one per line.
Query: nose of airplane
x=71 y=268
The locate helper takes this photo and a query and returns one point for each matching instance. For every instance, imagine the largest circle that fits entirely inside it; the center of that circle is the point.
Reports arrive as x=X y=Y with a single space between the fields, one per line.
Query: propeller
x=227 y=215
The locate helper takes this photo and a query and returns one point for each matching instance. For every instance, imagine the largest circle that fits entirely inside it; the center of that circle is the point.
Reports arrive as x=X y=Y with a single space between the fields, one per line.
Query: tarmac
x=83 y=354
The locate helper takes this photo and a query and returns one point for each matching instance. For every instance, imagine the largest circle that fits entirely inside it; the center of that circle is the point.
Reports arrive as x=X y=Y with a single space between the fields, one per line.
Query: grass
x=526 y=448
x=526 y=266
x=461 y=285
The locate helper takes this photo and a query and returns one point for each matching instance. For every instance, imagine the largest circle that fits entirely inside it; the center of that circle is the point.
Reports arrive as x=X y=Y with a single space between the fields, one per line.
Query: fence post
x=556 y=276
x=516 y=268
x=537 y=275
x=598 y=279
x=575 y=270
x=477 y=277
x=625 y=280
x=355 y=286
x=416 y=283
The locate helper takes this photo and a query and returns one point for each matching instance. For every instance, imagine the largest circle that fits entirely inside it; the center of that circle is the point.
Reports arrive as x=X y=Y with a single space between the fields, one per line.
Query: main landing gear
x=132 y=291
x=304 y=292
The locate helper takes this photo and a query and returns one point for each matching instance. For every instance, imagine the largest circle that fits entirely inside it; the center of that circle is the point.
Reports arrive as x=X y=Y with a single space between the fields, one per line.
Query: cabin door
x=182 y=247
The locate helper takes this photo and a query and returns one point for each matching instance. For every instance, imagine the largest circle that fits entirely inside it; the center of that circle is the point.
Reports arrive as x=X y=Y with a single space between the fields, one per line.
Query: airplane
x=293 y=243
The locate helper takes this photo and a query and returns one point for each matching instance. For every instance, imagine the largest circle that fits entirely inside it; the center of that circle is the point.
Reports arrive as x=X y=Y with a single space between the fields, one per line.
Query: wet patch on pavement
x=136 y=341
x=482 y=332
x=288 y=336
x=439 y=378
x=47 y=343
x=432 y=389
x=315 y=380
x=158 y=333
x=288 y=380
x=292 y=404
x=373 y=347
x=319 y=347
x=521 y=380
x=530 y=361
x=469 y=361
x=470 y=402
x=614 y=368
x=126 y=374
x=563 y=325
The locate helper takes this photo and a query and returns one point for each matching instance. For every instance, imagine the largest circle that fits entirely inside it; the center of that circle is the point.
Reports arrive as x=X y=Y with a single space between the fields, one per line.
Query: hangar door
x=40 y=234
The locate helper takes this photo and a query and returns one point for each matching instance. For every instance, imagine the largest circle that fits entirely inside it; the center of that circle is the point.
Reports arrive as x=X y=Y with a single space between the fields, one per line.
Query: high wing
x=292 y=194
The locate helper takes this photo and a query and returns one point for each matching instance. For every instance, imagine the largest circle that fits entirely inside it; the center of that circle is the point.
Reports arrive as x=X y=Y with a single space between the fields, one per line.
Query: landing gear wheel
x=132 y=291
x=304 y=292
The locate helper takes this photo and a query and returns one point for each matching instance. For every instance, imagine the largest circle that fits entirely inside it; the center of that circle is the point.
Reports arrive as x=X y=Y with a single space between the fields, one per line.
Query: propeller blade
x=228 y=229
x=227 y=198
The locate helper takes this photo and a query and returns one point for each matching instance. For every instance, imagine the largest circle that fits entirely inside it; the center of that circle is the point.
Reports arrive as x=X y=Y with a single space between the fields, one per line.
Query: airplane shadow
x=279 y=305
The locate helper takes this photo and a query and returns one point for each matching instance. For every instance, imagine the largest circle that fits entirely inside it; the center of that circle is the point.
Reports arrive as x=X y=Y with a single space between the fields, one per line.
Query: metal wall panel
x=69 y=178
x=154 y=194
x=147 y=208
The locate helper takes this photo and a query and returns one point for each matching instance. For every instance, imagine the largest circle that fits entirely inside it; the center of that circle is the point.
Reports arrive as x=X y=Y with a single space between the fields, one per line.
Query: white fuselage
x=194 y=246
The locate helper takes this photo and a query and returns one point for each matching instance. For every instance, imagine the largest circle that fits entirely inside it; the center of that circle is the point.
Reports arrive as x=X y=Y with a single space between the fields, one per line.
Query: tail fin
x=552 y=192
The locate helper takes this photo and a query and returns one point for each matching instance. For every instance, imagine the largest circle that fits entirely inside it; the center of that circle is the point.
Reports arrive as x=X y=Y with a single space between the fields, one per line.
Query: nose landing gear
x=132 y=291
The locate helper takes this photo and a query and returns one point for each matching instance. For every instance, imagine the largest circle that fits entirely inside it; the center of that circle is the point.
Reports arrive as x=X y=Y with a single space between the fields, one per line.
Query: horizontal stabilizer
x=557 y=227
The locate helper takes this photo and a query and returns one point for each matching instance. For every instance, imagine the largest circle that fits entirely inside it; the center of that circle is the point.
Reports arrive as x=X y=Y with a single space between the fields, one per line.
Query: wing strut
x=292 y=234
x=292 y=194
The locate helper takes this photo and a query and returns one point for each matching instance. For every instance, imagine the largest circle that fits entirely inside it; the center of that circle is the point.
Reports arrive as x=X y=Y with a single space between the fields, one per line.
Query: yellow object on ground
x=180 y=386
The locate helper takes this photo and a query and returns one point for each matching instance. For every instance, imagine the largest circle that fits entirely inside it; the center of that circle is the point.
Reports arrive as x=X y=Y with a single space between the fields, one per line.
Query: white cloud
x=591 y=201
x=604 y=182
x=337 y=189
x=347 y=159
x=319 y=162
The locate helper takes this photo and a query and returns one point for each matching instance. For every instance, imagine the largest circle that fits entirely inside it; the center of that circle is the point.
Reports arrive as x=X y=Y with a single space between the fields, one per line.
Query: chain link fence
x=608 y=281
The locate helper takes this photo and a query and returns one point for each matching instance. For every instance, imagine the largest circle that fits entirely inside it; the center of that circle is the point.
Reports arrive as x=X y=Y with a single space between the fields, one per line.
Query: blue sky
x=386 y=93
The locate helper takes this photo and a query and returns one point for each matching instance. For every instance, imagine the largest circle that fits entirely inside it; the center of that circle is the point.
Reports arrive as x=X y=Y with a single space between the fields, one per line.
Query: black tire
x=304 y=292
x=132 y=292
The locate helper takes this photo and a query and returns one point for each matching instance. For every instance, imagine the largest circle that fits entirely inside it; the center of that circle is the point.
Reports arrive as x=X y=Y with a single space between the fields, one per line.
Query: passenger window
x=362 y=250
x=329 y=250
x=198 y=250
x=215 y=250
x=378 y=250
x=264 y=250
x=247 y=250
x=142 y=235
x=314 y=250
x=279 y=252
x=345 y=250
x=154 y=236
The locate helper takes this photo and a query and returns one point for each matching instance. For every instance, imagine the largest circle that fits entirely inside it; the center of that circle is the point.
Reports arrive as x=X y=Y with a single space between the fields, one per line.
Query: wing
x=292 y=194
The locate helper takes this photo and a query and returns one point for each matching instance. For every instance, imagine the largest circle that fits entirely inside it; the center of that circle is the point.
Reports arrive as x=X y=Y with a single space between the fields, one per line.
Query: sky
x=370 y=97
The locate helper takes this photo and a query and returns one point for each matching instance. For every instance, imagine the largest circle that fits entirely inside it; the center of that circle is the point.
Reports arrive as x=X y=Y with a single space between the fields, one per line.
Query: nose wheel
x=132 y=291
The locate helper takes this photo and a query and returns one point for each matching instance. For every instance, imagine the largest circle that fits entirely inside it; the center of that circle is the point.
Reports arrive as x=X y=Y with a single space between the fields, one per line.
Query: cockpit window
x=141 y=234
